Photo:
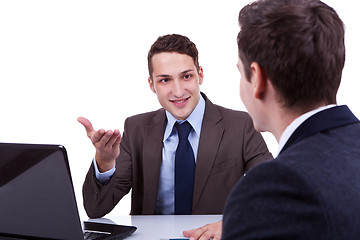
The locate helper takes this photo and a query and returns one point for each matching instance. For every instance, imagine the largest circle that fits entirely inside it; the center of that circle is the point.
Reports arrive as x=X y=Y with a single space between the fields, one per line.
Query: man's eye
x=187 y=76
x=164 y=80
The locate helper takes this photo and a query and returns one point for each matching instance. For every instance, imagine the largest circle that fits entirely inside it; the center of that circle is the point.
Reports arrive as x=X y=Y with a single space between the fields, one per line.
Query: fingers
x=200 y=233
x=106 y=139
x=188 y=233
x=100 y=136
x=101 y=139
x=115 y=137
x=118 y=140
x=87 y=124
x=209 y=231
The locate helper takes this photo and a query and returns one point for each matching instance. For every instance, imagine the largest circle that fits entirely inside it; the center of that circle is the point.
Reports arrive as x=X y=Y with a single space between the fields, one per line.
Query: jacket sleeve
x=99 y=199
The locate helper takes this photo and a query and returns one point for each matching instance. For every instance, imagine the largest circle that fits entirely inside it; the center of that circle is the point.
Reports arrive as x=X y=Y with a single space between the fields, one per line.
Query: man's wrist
x=102 y=177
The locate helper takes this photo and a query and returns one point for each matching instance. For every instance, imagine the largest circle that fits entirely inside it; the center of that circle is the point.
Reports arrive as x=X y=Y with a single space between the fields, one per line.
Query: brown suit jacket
x=228 y=147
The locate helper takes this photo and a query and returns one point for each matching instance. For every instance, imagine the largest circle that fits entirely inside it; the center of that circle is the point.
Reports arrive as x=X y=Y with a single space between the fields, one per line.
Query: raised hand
x=107 y=144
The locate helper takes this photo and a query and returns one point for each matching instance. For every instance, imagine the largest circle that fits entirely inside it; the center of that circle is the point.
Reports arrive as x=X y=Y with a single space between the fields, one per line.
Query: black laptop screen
x=35 y=185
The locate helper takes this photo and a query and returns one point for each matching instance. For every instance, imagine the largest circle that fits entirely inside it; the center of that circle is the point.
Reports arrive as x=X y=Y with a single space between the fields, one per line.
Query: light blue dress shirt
x=166 y=195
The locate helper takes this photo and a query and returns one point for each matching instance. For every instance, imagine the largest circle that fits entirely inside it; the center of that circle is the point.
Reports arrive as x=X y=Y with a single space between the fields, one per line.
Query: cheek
x=160 y=89
x=242 y=89
x=192 y=86
x=245 y=94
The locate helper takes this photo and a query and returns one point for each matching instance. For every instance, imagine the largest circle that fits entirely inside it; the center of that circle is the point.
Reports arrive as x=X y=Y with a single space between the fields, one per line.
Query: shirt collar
x=295 y=124
x=195 y=119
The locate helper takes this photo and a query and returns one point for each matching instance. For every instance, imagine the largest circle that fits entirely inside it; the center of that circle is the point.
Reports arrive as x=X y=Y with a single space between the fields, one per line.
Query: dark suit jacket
x=310 y=191
x=228 y=147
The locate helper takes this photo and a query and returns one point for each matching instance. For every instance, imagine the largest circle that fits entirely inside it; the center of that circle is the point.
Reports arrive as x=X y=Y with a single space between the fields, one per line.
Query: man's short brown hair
x=300 y=46
x=173 y=43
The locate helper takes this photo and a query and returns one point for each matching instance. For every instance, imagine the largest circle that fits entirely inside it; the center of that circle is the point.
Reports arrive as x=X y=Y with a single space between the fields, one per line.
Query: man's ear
x=201 y=76
x=151 y=84
x=259 y=80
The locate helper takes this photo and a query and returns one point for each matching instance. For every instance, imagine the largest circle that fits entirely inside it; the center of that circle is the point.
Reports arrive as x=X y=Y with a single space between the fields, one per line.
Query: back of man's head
x=300 y=46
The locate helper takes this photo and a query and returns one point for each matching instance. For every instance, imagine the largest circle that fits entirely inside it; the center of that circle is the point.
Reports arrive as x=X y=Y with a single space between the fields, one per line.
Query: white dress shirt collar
x=195 y=119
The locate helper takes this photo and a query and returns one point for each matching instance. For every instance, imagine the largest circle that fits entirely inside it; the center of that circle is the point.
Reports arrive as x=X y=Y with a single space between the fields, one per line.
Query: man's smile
x=180 y=100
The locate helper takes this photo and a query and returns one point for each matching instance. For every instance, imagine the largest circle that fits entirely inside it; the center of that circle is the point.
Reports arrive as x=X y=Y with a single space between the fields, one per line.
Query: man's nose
x=178 y=89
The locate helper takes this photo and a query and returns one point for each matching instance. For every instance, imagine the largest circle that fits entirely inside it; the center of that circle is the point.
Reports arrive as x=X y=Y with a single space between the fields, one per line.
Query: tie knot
x=183 y=129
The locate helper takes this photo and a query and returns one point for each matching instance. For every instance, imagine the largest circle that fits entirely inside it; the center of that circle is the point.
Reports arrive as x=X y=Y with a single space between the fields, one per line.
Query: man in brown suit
x=224 y=143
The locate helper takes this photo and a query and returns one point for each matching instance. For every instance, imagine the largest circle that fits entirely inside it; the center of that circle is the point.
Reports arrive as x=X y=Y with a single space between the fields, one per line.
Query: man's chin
x=180 y=116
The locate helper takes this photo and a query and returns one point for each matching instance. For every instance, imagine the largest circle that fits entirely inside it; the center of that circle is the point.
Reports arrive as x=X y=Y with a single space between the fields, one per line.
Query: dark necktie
x=184 y=171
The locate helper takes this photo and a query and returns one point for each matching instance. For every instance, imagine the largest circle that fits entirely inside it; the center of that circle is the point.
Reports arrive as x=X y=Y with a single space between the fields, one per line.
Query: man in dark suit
x=291 y=56
x=224 y=142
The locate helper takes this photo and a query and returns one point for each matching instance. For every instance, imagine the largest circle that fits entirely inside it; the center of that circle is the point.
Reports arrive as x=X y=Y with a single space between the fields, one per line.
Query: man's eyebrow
x=162 y=75
x=182 y=73
x=187 y=71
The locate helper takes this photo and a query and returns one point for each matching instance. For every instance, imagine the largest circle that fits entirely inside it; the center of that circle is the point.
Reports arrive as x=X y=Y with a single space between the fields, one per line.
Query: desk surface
x=156 y=227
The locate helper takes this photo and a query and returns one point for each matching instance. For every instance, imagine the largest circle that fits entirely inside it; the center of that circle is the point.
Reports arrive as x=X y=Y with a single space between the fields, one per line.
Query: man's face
x=176 y=83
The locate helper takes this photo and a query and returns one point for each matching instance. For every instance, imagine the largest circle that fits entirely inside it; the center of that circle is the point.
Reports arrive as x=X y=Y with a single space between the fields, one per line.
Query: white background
x=63 y=59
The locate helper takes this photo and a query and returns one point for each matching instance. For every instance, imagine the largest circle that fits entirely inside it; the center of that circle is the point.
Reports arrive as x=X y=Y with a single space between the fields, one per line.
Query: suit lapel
x=210 y=138
x=322 y=121
x=152 y=156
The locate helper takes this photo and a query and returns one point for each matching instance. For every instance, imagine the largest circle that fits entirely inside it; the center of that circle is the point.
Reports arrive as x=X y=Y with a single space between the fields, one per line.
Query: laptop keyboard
x=89 y=235
x=94 y=230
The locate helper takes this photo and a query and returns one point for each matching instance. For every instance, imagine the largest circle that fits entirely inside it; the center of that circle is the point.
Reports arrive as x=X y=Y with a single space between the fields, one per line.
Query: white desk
x=156 y=227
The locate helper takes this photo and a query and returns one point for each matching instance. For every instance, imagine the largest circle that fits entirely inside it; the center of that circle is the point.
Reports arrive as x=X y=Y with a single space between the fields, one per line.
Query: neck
x=285 y=116
x=280 y=123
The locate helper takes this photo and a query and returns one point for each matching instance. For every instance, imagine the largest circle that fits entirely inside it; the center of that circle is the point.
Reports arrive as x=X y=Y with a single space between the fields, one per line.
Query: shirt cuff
x=105 y=176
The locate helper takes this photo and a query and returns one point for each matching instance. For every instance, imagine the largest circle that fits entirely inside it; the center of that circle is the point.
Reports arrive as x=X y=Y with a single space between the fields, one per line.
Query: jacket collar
x=322 y=121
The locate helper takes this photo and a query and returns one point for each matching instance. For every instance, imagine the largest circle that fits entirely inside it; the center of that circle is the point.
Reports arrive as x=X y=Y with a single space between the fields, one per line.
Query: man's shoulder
x=146 y=117
x=319 y=157
x=321 y=144
x=211 y=108
x=224 y=112
x=227 y=112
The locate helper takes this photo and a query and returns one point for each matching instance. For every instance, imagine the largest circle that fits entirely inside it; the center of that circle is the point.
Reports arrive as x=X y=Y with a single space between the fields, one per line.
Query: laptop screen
x=36 y=193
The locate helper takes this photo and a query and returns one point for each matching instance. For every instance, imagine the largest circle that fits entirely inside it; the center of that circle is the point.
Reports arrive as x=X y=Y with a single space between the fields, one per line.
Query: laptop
x=37 y=199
